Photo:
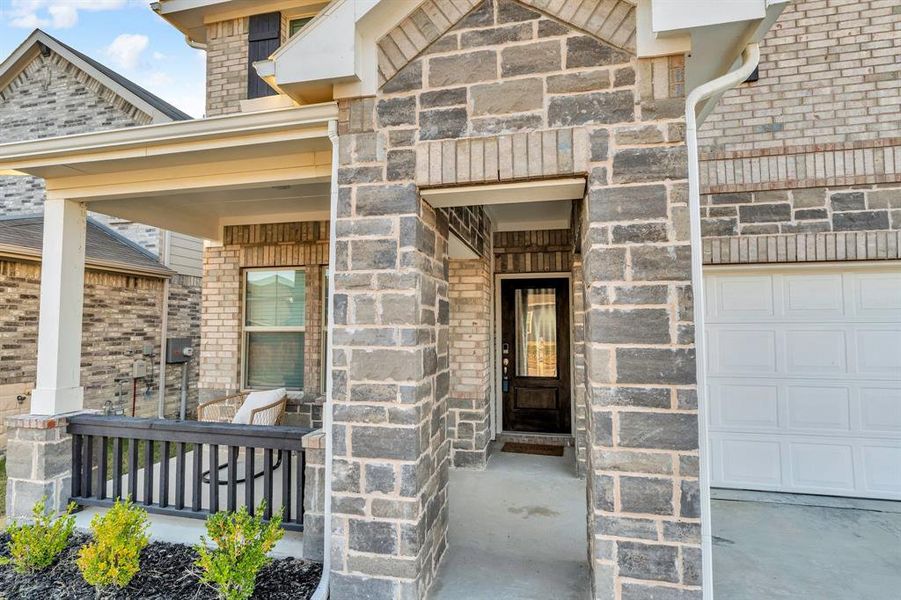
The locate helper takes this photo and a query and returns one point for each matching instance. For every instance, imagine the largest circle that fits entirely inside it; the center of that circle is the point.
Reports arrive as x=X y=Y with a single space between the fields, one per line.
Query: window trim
x=298 y=17
x=246 y=329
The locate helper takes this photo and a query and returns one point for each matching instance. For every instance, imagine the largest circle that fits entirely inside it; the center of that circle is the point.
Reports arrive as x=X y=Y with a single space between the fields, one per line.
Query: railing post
x=313 y=496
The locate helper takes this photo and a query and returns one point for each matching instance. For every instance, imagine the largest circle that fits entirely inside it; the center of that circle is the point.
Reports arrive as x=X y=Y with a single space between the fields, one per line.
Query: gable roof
x=155 y=107
x=104 y=248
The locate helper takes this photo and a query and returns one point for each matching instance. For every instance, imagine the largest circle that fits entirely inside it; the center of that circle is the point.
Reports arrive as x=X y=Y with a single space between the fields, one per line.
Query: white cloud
x=56 y=14
x=126 y=49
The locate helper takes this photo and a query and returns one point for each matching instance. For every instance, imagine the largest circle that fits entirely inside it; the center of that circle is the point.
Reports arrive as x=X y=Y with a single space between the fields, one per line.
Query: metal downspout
x=750 y=60
x=164 y=328
x=322 y=590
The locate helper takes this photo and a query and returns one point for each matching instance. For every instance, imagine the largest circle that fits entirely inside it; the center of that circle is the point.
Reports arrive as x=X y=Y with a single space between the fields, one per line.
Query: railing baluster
x=249 y=479
x=87 y=466
x=164 y=475
x=286 y=484
x=197 y=490
x=298 y=486
x=267 y=482
x=117 y=468
x=77 y=442
x=133 y=469
x=232 y=502
x=104 y=458
x=99 y=454
x=148 y=472
x=180 y=477
x=214 y=478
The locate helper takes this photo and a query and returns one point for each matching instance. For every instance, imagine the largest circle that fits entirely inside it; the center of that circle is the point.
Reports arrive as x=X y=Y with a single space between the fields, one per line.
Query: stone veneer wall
x=300 y=245
x=503 y=69
x=469 y=398
x=122 y=313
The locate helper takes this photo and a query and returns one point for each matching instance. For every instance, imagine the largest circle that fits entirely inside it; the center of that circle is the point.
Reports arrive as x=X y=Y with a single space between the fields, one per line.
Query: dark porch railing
x=100 y=444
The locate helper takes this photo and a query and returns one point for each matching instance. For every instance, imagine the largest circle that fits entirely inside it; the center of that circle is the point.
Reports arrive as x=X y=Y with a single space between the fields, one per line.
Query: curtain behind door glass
x=536 y=332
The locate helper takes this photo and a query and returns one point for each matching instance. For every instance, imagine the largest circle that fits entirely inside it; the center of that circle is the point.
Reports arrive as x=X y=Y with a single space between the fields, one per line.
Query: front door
x=535 y=355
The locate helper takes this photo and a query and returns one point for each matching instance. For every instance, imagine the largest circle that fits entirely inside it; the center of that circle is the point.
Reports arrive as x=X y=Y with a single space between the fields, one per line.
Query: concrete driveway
x=773 y=546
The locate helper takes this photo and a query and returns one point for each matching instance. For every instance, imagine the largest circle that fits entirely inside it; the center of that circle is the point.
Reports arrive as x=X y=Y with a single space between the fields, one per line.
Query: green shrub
x=34 y=546
x=241 y=544
x=113 y=557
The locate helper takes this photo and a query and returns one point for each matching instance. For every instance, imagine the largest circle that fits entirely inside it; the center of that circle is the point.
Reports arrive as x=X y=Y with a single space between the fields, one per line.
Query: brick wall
x=469 y=350
x=810 y=154
x=543 y=251
x=302 y=245
x=828 y=75
x=122 y=313
x=226 y=66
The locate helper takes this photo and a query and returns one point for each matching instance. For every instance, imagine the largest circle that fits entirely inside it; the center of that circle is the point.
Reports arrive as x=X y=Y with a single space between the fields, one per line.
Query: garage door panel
x=880 y=409
x=816 y=408
x=743 y=351
x=823 y=295
x=822 y=466
x=876 y=294
x=879 y=351
x=816 y=351
x=745 y=406
x=742 y=297
x=749 y=462
x=804 y=376
x=882 y=469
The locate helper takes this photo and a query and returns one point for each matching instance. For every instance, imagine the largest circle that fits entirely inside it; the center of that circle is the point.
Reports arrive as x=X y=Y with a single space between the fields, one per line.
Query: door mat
x=539 y=449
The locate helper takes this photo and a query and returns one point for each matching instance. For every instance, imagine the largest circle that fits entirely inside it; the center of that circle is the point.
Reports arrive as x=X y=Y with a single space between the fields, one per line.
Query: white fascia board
x=679 y=15
x=327 y=49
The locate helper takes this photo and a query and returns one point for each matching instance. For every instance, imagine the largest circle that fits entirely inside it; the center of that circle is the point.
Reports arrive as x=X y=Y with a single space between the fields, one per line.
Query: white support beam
x=58 y=389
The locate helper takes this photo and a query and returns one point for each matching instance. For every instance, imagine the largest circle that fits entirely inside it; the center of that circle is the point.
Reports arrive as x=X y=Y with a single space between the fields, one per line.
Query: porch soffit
x=192 y=177
x=611 y=21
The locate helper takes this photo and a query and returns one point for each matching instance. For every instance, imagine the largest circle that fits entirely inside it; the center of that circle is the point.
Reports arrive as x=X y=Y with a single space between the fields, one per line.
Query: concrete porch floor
x=805 y=547
x=517 y=530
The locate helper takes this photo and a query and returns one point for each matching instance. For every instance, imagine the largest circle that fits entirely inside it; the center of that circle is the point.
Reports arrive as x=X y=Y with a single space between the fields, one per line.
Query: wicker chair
x=223 y=410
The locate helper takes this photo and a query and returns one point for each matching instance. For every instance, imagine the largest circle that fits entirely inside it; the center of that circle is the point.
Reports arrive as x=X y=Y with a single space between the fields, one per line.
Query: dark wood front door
x=535 y=355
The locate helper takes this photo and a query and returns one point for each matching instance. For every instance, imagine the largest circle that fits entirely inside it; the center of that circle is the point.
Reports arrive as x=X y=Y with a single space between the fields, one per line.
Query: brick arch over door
x=611 y=21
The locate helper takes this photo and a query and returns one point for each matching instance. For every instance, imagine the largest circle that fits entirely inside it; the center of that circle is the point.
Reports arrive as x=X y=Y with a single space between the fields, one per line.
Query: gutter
x=750 y=60
x=322 y=590
x=32 y=255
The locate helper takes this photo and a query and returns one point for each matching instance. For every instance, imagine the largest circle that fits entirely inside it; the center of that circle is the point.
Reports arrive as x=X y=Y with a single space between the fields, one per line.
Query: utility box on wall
x=179 y=350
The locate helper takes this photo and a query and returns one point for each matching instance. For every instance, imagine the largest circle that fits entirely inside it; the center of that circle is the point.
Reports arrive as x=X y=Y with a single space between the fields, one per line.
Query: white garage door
x=804 y=372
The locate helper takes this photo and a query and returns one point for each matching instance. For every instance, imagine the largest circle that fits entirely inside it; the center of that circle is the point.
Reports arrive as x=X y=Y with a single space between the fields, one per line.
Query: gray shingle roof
x=102 y=244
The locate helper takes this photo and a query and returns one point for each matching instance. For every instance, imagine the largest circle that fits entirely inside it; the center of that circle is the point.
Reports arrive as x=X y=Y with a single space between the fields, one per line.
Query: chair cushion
x=257 y=400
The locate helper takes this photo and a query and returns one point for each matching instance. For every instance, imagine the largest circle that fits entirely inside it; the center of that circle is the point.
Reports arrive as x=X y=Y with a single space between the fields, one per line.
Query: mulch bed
x=167 y=572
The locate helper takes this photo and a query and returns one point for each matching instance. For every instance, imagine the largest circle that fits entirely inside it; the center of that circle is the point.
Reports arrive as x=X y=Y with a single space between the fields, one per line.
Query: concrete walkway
x=776 y=546
x=517 y=531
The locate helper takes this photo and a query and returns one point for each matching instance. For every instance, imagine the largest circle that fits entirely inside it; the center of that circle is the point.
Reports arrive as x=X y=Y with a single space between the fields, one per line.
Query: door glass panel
x=536 y=332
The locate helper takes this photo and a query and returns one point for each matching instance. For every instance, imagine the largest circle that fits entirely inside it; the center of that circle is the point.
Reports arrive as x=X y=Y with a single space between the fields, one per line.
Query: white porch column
x=58 y=388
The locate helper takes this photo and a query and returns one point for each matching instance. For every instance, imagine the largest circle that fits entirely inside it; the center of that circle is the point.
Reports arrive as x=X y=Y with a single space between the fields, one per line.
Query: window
x=295 y=25
x=274 y=328
x=536 y=332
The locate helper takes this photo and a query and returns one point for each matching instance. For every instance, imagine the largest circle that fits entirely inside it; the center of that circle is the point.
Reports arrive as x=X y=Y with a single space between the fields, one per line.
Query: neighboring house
x=140 y=278
x=801 y=171
x=435 y=180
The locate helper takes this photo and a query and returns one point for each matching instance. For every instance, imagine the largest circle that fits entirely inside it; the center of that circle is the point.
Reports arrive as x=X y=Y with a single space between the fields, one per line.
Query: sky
x=125 y=35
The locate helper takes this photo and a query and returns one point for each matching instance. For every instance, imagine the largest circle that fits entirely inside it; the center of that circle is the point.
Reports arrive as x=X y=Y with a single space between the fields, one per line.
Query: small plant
x=34 y=546
x=113 y=557
x=241 y=545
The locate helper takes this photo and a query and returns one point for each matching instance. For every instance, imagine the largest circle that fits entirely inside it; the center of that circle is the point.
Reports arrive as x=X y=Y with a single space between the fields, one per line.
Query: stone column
x=468 y=427
x=314 y=496
x=38 y=464
x=644 y=510
x=389 y=501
